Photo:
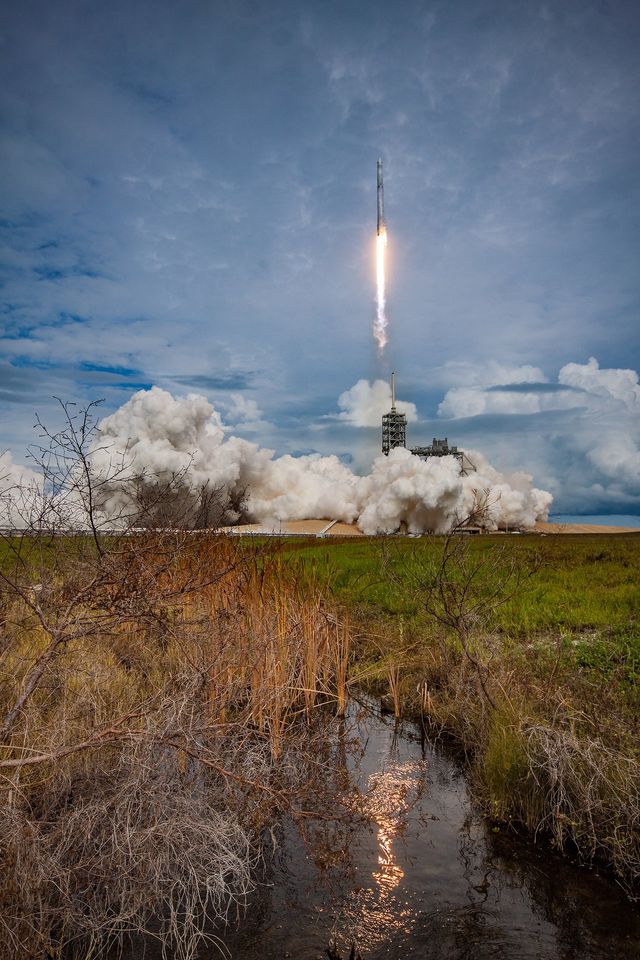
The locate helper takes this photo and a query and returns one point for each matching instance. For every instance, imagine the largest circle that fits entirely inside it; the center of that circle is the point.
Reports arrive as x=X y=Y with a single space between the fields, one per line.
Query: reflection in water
x=386 y=804
x=372 y=911
x=424 y=877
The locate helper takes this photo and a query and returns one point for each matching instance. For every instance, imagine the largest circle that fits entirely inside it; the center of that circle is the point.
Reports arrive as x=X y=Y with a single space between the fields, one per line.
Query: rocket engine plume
x=381 y=322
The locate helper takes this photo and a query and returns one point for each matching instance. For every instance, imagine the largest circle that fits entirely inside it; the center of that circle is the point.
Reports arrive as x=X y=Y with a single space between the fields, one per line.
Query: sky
x=188 y=200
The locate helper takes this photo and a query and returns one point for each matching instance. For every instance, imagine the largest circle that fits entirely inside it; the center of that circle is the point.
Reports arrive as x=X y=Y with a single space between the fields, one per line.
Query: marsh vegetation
x=525 y=653
x=159 y=712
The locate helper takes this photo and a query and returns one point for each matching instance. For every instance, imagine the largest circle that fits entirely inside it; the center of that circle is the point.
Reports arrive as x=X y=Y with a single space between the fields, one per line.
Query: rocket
x=381 y=226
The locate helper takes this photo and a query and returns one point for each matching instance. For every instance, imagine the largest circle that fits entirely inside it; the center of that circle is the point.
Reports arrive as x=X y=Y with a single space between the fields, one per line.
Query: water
x=601 y=520
x=427 y=877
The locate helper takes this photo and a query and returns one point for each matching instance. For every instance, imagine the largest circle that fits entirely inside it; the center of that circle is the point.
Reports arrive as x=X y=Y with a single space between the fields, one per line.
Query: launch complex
x=394 y=434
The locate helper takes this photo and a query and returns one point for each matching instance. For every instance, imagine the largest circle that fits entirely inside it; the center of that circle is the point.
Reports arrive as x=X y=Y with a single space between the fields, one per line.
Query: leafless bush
x=136 y=849
x=591 y=795
x=157 y=695
x=173 y=504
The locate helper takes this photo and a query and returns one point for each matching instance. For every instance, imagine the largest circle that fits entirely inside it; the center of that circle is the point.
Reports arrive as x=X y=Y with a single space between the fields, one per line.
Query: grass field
x=582 y=592
x=576 y=583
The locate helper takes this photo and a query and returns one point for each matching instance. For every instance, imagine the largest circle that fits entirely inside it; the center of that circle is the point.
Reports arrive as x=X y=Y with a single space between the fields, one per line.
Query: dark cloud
x=231 y=381
x=531 y=388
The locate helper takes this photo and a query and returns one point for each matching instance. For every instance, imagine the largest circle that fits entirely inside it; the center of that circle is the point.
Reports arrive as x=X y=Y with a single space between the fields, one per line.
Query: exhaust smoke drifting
x=164 y=437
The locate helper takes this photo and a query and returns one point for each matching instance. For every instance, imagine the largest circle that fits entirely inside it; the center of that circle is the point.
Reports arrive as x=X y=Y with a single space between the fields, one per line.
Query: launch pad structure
x=394 y=434
x=394 y=424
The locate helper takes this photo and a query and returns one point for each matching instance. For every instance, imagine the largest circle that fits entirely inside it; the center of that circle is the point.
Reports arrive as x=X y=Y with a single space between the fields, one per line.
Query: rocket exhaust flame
x=380 y=323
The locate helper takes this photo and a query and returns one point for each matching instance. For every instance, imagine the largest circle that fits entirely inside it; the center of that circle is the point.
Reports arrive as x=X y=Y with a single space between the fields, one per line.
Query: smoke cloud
x=163 y=437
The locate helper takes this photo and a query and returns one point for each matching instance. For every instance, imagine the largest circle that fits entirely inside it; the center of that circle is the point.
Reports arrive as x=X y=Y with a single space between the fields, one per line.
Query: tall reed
x=176 y=698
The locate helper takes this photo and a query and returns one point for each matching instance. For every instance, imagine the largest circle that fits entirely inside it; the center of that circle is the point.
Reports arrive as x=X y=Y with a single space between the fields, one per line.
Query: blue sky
x=188 y=200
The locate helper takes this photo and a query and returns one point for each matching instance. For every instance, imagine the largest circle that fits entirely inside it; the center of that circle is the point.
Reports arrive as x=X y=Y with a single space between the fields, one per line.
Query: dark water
x=427 y=877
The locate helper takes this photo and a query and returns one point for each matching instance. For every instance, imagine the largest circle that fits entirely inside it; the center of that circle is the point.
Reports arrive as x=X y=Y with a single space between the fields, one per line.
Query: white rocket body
x=381 y=226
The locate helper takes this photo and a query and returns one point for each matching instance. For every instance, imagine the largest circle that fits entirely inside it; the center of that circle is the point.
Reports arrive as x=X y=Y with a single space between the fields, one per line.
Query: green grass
x=571 y=624
x=571 y=583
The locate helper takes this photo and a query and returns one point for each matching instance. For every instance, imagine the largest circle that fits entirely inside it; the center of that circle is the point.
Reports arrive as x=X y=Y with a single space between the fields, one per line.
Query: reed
x=167 y=692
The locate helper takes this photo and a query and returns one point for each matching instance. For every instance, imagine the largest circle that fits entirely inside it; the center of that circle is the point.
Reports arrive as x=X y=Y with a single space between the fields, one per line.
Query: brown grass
x=161 y=702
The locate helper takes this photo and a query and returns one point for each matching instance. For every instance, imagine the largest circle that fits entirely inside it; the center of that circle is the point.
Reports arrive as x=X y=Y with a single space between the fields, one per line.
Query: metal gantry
x=394 y=434
x=394 y=424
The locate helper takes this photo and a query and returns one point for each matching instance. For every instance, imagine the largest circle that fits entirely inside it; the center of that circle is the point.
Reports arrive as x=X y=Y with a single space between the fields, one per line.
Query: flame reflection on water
x=374 y=910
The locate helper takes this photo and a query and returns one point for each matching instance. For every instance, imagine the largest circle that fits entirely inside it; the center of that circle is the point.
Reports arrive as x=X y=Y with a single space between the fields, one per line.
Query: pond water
x=426 y=877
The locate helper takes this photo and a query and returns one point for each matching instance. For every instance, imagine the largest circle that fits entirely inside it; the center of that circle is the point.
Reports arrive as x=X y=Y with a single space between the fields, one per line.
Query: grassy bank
x=527 y=651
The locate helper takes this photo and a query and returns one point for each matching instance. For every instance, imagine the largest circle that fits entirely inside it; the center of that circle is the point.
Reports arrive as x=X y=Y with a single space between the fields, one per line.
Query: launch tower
x=394 y=424
x=394 y=434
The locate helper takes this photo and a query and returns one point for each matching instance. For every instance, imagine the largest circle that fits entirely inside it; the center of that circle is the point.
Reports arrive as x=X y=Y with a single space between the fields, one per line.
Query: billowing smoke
x=162 y=437
x=431 y=495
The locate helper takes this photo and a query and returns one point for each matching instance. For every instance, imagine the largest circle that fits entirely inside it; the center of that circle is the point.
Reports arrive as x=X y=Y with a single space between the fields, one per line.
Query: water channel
x=427 y=877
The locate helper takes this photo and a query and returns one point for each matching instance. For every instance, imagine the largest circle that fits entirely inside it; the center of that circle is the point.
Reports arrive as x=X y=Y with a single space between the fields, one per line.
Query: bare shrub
x=591 y=795
x=157 y=714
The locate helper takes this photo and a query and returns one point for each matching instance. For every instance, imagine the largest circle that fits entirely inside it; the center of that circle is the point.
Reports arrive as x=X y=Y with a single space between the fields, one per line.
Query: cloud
x=485 y=373
x=614 y=384
x=589 y=453
x=196 y=202
x=244 y=414
x=364 y=404
x=479 y=391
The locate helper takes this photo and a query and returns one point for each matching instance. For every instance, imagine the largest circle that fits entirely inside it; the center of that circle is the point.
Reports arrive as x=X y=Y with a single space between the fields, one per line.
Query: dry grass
x=161 y=706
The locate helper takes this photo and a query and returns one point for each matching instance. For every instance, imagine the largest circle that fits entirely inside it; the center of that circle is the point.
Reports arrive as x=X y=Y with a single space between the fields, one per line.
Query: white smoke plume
x=163 y=437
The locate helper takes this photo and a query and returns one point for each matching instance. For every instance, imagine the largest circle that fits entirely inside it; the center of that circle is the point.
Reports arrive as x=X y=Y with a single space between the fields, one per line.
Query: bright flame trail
x=380 y=323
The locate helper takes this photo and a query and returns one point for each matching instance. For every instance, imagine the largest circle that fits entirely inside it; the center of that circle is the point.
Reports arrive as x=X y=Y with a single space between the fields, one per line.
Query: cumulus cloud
x=613 y=384
x=165 y=437
x=462 y=373
x=20 y=492
x=594 y=452
x=477 y=391
x=244 y=414
x=474 y=401
x=365 y=402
